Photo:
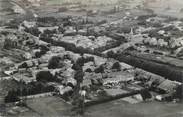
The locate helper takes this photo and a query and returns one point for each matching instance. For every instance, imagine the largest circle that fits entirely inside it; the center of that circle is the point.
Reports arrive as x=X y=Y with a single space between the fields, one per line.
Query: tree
x=55 y=62
x=79 y=76
x=76 y=67
x=23 y=65
x=88 y=59
x=33 y=30
x=11 y=97
x=179 y=92
x=79 y=64
x=110 y=54
x=100 y=69
x=44 y=76
x=88 y=70
x=116 y=66
x=80 y=61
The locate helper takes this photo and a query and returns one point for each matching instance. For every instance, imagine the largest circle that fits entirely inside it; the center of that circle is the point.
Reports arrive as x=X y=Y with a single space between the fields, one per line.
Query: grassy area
x=49 y=106
x=119 y=108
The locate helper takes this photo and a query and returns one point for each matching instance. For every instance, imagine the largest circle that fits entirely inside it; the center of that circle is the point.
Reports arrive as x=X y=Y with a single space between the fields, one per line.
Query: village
x=49 y=61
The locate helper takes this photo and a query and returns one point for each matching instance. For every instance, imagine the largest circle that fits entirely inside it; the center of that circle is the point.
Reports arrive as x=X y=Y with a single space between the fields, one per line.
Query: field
x=145 y=109
x=49 y=106
x=53 y=106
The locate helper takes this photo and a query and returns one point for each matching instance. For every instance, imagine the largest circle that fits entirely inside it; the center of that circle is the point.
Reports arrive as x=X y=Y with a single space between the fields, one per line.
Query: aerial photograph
x=91 y=58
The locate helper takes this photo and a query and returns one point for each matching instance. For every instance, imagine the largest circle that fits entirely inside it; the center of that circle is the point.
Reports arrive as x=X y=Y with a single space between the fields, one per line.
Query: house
x=61 y=90
x=168 y=86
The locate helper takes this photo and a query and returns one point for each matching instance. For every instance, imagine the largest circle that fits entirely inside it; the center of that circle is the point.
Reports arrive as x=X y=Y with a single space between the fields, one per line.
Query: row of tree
x=24 y=89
